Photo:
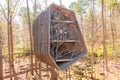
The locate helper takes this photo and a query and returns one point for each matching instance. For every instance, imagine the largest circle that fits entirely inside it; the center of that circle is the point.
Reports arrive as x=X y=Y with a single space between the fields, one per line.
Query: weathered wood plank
x=65 y=41
x=62 y=21
x=63 y=60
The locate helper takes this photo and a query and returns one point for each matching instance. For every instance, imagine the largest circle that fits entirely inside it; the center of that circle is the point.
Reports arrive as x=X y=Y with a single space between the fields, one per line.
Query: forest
x=99 y=22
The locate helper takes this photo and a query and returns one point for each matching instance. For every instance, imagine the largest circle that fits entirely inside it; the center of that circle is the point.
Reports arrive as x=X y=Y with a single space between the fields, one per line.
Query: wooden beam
x=62 y=21
x=63 y=60
x=65 y=41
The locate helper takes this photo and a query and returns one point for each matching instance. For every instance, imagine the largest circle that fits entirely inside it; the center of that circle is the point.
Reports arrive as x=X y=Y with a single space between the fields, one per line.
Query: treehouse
x=57 y=37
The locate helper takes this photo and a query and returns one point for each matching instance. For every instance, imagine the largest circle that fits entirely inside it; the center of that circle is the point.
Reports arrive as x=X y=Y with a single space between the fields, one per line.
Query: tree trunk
x=35 y=54
x=30 y=33
x=54 y=74
x=60 y=2
x=81 y=19
x=10 y=43
x=117 y=6
x=46 y=3
x=1 y=63
x=92 y=37
x=9 y=52
x=112 y=28
x=35 y=8
x=105 y=60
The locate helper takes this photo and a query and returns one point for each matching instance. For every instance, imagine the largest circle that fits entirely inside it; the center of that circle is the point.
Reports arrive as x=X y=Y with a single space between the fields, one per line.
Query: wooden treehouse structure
x=57 y=37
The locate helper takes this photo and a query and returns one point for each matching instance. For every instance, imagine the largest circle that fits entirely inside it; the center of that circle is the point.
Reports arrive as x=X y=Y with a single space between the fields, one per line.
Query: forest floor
x=113 y=72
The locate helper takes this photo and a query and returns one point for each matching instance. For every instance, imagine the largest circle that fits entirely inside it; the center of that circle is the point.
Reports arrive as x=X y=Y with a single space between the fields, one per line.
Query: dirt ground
x=22 y=67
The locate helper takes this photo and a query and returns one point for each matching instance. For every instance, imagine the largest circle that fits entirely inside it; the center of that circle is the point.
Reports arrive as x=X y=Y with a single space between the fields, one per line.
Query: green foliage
x=110 y=3
x=80 y=6
x=19 y=48
x=75 y=6
x=118 y=46
x=109 y=50
x=24 y=16
x=2 y=34
x=98 y=51
x=89 y=17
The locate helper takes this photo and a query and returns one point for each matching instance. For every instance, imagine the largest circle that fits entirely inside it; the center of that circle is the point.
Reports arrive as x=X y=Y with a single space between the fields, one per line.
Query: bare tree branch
x=3 y=11
x=117 y=6
x=17 y=6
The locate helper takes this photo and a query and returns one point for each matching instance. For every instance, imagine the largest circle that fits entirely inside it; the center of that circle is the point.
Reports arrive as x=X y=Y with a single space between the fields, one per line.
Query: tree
x=60 y=2
x=105 y=58
x=30 y=33
x=1 y=63
x=92 y=35
x=80 y=8
x=9 y=15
